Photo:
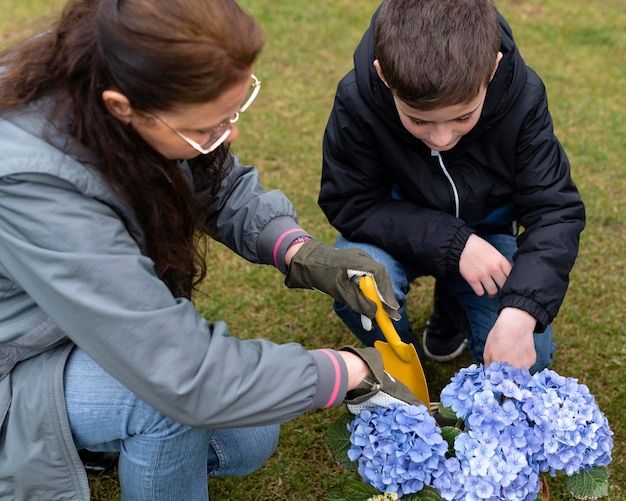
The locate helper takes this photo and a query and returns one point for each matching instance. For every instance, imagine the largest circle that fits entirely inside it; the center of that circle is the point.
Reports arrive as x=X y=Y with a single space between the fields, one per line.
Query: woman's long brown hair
x=159 y=54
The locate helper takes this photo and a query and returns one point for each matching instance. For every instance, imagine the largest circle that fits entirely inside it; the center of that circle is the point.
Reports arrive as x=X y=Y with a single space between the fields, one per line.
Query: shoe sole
x=443 y=358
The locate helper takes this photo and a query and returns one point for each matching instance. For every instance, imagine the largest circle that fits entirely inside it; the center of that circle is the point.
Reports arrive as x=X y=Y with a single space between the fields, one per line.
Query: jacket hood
x=502 y=92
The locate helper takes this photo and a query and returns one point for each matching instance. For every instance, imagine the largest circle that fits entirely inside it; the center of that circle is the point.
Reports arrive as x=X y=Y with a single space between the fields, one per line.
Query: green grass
x=579 y=50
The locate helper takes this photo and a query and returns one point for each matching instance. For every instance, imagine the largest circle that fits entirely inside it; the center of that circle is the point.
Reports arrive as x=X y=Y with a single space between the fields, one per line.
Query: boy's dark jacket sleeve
x=511 y=157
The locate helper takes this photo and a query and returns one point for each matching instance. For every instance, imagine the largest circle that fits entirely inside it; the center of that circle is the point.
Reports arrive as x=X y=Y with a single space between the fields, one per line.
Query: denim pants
x=160 y=460
x=470 y=314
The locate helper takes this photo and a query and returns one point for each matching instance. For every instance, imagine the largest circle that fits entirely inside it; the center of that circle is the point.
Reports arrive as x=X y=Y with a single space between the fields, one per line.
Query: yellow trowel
x=400 y=359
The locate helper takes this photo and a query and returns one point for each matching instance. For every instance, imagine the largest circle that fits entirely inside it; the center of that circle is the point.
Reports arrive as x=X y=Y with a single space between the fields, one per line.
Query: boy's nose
x=440 y=137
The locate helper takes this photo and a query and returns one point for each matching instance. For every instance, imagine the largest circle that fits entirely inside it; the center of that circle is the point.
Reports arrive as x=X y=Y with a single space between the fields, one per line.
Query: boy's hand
x=511 y=339
x=483 y=267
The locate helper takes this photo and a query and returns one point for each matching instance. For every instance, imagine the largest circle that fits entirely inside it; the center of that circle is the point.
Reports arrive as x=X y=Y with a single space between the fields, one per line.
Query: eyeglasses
x=219 y=134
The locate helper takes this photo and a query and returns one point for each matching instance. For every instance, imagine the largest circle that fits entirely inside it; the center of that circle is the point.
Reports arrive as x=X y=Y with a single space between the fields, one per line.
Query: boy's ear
x=379 y=71
x=118 y=105
x=495 y=68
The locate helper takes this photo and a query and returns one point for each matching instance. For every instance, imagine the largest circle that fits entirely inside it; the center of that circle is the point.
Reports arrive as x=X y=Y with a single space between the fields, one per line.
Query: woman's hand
x=315 y=265
x=369 y=384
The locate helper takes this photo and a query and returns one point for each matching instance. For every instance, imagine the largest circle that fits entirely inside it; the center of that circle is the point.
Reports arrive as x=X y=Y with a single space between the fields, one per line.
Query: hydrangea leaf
x=351 y=490
x=426 y=494
x=338 y=441
x=355 y=490
x=446 y=412
x=335 y=494
x=589 y=484
x=449 y=434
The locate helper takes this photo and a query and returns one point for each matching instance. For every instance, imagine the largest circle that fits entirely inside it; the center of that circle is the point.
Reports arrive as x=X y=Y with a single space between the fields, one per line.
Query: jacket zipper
x=449 y=177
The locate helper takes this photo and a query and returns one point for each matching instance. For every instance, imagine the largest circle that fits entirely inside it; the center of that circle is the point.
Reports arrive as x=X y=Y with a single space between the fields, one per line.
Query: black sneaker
x=441 y=343
x=98 y=463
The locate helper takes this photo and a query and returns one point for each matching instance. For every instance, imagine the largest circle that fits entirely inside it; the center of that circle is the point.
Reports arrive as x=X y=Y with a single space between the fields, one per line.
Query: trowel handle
x=367 y=285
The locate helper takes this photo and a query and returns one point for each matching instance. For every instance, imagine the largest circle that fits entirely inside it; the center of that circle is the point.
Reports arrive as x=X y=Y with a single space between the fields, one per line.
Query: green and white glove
x=336 y=272
x=378 y=389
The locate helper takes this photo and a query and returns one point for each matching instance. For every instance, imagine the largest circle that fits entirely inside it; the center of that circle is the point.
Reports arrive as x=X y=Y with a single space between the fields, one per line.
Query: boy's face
x=441 y=129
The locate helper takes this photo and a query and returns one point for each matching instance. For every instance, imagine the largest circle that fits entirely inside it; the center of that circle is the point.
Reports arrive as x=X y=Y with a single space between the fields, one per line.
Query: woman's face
x=199 y=122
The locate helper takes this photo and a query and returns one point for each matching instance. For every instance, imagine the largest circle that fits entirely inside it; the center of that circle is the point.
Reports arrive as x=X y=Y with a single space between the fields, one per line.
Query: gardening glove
x=378 y=389
x=336 y=272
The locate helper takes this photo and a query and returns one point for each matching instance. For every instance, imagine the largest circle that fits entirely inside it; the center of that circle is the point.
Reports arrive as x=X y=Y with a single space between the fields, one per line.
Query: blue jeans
x=470 y=314
x=160 y=460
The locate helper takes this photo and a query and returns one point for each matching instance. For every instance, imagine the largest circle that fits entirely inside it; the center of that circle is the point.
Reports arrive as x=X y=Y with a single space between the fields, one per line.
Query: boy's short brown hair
x=437 y=53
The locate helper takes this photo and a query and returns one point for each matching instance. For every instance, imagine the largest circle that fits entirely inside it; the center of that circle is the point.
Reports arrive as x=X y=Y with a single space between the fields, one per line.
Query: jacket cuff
x=276 y=238
x=332 y=383
x=456 y=248
x=529 y=306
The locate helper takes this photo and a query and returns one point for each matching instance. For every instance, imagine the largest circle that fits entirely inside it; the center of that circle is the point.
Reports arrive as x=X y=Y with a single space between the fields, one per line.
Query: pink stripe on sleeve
x=279 y=241
x=335 y=364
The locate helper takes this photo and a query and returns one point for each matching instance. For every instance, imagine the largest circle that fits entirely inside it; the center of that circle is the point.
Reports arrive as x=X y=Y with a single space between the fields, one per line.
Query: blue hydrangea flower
x=576 y=434
x=447 y=480
x=397 y=448
x=490 y=470
x=517 y=425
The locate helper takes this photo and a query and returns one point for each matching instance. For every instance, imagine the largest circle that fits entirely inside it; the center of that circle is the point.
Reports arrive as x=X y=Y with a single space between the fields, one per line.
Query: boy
x=439 y=144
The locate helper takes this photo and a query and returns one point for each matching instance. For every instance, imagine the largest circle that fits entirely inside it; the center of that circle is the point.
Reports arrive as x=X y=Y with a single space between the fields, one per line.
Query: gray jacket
x=73 y=271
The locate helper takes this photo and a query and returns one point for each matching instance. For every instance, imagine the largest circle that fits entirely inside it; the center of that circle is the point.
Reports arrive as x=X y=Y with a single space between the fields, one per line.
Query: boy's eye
x=421 y=123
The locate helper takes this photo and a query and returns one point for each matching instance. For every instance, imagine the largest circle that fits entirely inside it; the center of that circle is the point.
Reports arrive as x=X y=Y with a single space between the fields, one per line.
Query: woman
x=113 y=157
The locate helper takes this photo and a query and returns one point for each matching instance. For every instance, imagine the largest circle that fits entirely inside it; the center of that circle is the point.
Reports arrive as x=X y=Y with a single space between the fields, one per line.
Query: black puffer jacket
x=511 y=157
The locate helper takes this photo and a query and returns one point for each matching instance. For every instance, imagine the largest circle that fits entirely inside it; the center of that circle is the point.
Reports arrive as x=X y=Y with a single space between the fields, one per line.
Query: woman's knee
x=241 y=451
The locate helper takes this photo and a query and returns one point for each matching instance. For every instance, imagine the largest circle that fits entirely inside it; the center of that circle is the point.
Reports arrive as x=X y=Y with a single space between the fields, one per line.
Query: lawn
x=578 y=48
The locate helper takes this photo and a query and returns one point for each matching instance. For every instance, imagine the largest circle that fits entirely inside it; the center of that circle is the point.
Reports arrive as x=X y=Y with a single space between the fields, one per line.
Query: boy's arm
x=550 y=210
x=511 y=339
